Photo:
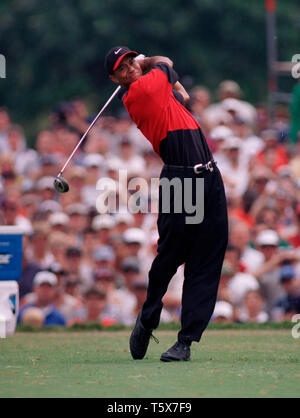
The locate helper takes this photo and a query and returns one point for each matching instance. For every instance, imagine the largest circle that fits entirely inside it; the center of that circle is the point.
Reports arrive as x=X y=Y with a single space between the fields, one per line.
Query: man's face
x=128 y=71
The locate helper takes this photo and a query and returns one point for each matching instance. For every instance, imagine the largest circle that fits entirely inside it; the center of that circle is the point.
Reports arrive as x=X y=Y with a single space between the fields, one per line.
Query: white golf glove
x=140 y=57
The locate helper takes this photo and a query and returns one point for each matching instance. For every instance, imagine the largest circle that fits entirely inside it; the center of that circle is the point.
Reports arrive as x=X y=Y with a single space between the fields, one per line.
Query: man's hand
x=147 y=63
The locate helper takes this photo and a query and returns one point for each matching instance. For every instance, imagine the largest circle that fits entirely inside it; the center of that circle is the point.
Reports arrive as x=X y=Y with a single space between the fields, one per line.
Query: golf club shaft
x=89 y=128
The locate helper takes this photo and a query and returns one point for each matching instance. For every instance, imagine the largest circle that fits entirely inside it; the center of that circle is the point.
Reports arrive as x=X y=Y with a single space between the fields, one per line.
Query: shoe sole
x=169 y=359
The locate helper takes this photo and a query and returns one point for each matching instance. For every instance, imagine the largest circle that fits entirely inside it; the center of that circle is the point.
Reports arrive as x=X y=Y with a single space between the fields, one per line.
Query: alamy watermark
x=177 y=195
x=296 y=68
x=296 y=328
x=2 y=66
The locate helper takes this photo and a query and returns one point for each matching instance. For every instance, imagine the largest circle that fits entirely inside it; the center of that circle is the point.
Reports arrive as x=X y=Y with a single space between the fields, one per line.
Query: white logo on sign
x=4 y=258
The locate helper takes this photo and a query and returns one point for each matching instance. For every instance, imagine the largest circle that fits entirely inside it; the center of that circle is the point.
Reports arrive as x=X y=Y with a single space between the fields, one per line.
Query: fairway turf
x=226 y=363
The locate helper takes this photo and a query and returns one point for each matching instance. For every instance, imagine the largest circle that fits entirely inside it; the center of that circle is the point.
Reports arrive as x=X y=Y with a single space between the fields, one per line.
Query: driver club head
x=61 y=185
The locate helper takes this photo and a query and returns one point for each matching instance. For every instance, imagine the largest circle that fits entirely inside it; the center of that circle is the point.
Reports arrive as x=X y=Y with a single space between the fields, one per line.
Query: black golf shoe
x=179 y=351
x=139 y=340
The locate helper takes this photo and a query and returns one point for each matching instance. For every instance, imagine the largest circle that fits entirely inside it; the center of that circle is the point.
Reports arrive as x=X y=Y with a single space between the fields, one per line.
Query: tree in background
x=54 y=50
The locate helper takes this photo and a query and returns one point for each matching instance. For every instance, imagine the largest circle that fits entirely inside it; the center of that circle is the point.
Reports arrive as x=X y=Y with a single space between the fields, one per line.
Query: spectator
x=268 y=273
x=45 y=284
x=252 y=308
x=289 y=304
x=223 y=312
x=74 y=265
x=240 y=238
x=261 y=170
x=94 y=309
x=121 y=302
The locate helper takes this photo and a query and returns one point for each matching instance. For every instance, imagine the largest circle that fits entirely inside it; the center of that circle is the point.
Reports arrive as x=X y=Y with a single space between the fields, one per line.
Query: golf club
x=60 y=184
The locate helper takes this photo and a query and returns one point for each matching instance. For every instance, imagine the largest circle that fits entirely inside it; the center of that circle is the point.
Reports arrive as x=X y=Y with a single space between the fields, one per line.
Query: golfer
x=155 y=99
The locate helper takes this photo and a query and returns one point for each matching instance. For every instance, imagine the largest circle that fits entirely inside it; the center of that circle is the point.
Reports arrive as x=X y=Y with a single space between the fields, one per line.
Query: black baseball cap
x=115 y=56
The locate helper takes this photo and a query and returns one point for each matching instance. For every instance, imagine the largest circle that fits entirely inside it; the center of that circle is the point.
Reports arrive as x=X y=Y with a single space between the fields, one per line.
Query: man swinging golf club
x=155 y=100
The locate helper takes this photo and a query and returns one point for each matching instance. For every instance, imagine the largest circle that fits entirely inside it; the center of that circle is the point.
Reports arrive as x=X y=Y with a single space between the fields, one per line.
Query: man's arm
x=147 y=63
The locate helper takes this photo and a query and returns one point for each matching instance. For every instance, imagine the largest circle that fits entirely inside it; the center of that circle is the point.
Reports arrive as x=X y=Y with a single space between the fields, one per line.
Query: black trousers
x=200 y=247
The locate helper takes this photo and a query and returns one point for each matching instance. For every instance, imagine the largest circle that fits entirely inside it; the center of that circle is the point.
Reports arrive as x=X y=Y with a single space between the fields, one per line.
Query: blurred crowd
x=81 y=266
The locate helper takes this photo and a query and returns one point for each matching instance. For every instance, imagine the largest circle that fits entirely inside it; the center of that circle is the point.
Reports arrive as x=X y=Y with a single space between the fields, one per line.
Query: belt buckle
x=209 y=166
x=198 y=166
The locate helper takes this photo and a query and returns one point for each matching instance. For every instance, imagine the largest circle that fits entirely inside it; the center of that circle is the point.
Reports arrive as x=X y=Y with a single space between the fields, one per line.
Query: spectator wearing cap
x=289 y=304
x=58 y=243
x=89 y=243
x=30 y=203
x=92 y=165
x=219 y=134
x=223 y=312
x=129 y=159
x=73 y=286
x=104 y=226
x=45 y=188
x=76 y=177
x=67 y=304
x=273 y=155
x=49 y=206
x=252 y=309
x=235 y=168
x=99 y=142
x=239 y=285
x=74 y=264
x=131 y=270
x=121 y=301
x=252 y=144
x=59 y=221
x=134 y=239
x=45 y=284
x=268 y=273
x=124 y=220
x=94 y=309
x=104 y=256
x=218 y=113
x=78 y=219
x=64 y=302
x=40 y=252
x=48 y=165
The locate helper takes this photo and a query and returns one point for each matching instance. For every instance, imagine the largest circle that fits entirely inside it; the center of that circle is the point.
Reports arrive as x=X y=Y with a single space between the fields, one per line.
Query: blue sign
x=11 y=255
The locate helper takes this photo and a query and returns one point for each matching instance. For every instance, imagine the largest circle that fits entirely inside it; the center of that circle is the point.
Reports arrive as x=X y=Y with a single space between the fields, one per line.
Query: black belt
x=197 y=168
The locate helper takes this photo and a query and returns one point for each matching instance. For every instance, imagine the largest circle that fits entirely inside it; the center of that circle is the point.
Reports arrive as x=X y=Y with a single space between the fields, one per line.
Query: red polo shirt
x=173 y=132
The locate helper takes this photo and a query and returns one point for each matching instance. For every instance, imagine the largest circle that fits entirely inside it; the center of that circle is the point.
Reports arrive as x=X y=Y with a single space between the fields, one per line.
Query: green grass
x=226 y=363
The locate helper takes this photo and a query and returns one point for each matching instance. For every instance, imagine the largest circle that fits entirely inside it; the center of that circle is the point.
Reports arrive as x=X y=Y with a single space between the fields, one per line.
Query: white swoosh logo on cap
x=116 y=52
